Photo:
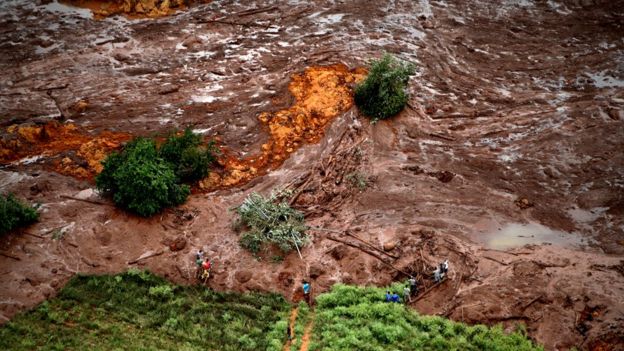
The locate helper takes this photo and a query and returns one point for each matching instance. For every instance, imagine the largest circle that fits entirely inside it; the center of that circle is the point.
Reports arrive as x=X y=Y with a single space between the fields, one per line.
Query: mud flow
x=507 y=160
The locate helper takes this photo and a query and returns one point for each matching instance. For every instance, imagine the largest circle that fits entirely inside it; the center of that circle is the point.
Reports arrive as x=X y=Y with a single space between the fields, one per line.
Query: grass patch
x=139 y=311
x=357 y=318
x=14 y=213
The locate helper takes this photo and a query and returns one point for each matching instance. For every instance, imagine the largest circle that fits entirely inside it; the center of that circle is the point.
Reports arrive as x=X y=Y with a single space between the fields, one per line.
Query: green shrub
x=14 y=213
x=271 y=220
x=358 y=318
x=383 y=93
x=186 y=155
x=141 y=181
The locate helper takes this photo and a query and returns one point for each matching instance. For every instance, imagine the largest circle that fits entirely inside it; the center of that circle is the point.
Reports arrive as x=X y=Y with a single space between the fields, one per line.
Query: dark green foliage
x=383 y=93
x=139 y=311
x=271 y=220
x=141 y=181
x=14 y=213
x=187 y=156
x=357 y=318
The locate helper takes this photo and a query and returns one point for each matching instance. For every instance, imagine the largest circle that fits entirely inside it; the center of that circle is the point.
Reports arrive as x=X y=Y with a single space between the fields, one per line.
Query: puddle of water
x=512 y=235
x=587 y=216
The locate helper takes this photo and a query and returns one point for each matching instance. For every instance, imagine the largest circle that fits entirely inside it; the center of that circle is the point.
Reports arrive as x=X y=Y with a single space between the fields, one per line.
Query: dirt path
x=307 y=334
x=291 y=327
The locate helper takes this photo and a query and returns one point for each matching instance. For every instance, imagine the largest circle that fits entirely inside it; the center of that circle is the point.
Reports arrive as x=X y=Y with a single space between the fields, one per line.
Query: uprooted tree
x=270 y=220
x=383 y=93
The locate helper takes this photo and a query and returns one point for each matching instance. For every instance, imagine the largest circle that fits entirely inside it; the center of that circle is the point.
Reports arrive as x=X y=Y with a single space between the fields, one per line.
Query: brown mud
x=507 y=160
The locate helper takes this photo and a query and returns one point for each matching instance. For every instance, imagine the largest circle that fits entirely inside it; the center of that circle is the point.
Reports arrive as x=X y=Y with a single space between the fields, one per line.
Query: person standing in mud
x=413 y=285
x=306 y=291
x=407 y=294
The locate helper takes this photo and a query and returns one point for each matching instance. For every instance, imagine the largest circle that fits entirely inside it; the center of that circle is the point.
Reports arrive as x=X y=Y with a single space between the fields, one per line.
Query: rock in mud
x=390 y=245
x=316 y=271
x=243 y=276
x=177 y=244
x=339 y=252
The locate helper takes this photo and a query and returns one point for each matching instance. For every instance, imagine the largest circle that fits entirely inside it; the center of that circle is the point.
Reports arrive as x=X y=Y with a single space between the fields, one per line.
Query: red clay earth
x=512 y=139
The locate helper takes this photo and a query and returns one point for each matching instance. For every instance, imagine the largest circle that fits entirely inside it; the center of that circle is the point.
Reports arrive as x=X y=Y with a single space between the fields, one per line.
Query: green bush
x=271 y=220
x=140 y=180
x=383 y=93
x=187 y=156
x=14 y=213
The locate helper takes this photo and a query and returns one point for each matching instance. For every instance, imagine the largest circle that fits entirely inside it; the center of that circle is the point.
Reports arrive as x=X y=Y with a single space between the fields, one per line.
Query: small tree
x=383 y=93
x=140 y=180
x=186 y=155
x=271 y=220
x=14 y=213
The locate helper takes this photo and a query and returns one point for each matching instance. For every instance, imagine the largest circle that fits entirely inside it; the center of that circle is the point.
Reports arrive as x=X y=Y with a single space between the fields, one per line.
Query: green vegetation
x=357 y=318
x=140 y=180
x=187 y=156
x=145 y=179
x=357 y=180
x=383 y=93
x=270 y=221
x=303 y=318
x=139 y=311
x=14 y=213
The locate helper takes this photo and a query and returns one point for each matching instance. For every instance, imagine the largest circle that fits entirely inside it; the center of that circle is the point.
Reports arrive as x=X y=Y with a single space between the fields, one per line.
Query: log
x=368 y=252
x=430 y=289
x=154 y=254
x=10 y=256
x=358 y=238
x=85 y=200
x=495 y=260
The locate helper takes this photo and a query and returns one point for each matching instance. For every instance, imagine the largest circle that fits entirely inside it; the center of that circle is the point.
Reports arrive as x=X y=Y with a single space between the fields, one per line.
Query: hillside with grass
x=138 y=310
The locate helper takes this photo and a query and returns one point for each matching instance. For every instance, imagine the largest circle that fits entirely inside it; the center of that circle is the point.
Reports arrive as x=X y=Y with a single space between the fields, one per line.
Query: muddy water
x=513 y=235
x=512 y=100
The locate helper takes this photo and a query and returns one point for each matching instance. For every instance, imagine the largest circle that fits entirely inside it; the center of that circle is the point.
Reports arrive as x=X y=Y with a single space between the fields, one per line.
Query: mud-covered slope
x=513 y=136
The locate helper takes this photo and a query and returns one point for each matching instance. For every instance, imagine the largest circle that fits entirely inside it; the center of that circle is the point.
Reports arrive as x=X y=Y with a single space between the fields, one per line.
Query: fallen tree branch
x=368 y=252
x=346 y=232
x=10 y=256
x=154 y=254
x=531 y=302
x=255 y=11
x=85 y=200
x=429 y=290
x=495 y=260
x=35 y=235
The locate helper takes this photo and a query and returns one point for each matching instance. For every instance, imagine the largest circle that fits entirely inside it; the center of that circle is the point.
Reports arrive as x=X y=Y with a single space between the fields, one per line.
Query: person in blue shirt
x=306 y=291
x=388 y=296
x=395 y=297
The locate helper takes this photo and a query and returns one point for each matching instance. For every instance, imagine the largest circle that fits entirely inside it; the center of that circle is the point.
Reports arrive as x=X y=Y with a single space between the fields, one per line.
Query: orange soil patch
x=321 y=94
x=52 y=139
x=132 y=8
